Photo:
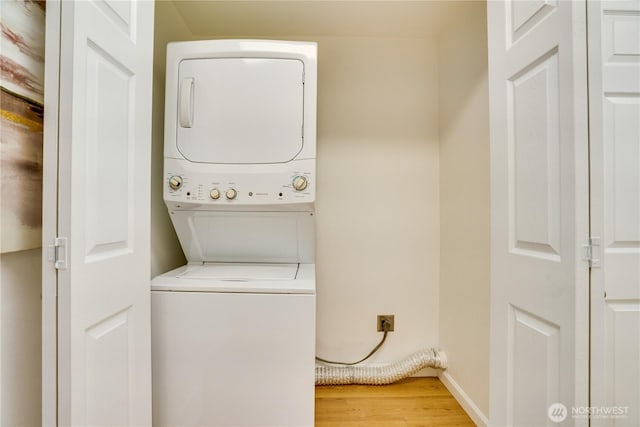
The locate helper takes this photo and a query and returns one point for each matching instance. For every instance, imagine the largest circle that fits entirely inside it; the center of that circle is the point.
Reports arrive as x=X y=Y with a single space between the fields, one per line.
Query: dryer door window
x=240 y=110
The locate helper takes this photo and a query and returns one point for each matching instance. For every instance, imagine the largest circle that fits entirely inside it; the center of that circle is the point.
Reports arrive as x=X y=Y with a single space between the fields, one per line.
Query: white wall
x=165 y=249
x=20 y=283
x=378 y=196
x=391 y=113
x=464 y=198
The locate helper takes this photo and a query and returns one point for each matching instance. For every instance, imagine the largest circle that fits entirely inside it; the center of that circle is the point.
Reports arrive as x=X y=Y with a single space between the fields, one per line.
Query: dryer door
x=240 y=110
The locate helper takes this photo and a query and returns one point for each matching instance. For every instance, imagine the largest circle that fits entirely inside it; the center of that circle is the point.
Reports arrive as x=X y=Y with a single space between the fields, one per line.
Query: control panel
x=289 y=183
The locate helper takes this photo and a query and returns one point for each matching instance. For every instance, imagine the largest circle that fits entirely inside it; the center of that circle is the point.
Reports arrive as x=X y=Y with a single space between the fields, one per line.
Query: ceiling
x=391 y=18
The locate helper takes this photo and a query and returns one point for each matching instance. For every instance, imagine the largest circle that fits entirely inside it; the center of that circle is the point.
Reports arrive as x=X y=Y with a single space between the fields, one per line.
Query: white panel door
x=539 y=208
x=103 y=141
x=614 y=107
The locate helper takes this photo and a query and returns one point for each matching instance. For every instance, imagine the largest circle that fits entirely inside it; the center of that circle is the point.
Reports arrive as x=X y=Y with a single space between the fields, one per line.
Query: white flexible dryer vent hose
x=380 y=375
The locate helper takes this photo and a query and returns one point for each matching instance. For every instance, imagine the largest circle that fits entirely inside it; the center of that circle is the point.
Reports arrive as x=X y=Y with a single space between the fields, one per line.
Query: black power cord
x=385 y=326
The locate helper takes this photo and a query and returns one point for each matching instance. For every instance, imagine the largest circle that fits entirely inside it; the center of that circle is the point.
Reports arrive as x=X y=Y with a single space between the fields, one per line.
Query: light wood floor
x=411 y=402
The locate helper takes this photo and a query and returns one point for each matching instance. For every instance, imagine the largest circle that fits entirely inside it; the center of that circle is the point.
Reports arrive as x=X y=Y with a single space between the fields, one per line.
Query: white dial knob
x=175 y=182
x=300 y=183
x=214 y=194
x=231 y=194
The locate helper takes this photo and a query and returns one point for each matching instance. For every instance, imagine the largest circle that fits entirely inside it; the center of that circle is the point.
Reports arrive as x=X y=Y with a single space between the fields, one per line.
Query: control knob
x=231 y=194
x=300 y=183
x=175 y=182
x=214 y=194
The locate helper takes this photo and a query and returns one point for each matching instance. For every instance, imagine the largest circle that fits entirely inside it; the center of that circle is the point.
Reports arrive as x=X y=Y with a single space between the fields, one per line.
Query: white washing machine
x=233 y=331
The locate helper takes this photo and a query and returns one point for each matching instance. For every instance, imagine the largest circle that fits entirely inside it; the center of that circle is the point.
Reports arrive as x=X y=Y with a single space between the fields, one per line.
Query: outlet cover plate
x=389 y=318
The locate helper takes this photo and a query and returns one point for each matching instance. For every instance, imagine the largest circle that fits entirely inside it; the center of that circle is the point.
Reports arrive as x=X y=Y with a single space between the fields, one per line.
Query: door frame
x=50 y=215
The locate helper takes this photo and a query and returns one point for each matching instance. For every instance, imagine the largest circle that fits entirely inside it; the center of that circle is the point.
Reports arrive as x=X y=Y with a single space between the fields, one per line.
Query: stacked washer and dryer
x=233 y=331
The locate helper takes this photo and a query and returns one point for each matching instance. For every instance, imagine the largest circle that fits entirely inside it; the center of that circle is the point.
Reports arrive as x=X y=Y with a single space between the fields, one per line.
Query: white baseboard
x=463 y=399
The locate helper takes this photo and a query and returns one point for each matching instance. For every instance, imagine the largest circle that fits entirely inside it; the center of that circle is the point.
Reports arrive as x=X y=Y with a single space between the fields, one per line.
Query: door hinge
x=58 y=253
x=591 y=252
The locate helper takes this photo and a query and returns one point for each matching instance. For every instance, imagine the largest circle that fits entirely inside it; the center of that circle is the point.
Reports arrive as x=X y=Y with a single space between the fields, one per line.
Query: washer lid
x=240 y=110
x=240 y=272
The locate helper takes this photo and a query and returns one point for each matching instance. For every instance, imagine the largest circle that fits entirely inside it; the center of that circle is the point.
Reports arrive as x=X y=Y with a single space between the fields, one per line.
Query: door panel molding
x=539 y=210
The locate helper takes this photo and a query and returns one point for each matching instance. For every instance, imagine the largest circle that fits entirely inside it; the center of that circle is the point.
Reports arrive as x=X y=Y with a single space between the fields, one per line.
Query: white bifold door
x=96 y=284
x=614 y=107
x=539 y=211
x=565 y=325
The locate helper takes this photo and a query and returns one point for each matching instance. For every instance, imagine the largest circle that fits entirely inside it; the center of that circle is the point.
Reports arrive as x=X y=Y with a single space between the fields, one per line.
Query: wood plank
x=412 y=402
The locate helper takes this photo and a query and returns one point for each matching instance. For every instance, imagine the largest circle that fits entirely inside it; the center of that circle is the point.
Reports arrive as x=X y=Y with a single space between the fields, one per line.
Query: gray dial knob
x=300 y=183
x=214 y=194
x=231 y=194
x=175 y=182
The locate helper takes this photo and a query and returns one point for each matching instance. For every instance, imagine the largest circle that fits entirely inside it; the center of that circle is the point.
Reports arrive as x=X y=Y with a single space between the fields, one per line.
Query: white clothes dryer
x=233 y=331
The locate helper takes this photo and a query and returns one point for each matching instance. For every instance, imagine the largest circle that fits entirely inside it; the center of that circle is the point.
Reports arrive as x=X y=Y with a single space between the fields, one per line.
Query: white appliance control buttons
x=231 y=194
x=214 y=194
x=175 y=182
x=300 y=183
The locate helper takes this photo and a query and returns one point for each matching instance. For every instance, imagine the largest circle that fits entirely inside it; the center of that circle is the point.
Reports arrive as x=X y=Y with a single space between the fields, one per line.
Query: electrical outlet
x=388 y=318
